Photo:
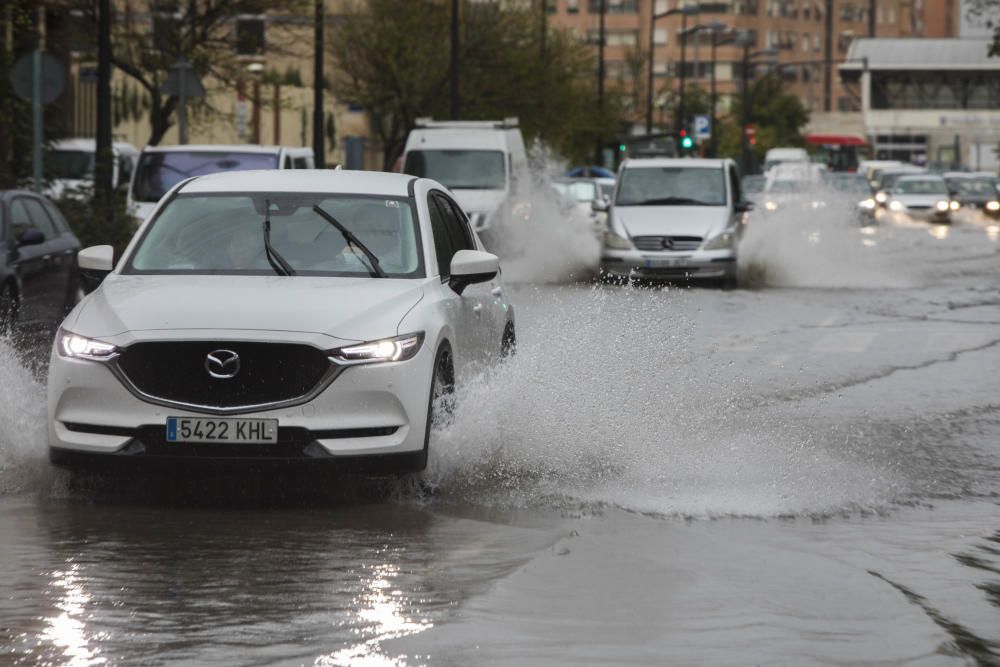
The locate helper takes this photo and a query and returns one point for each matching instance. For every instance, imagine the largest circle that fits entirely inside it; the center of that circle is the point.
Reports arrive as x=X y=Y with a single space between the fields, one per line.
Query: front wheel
x=441 y=403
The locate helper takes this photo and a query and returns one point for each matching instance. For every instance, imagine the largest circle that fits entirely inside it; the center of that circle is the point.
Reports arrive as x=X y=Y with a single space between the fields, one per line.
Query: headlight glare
x=616 y=242
x=993 y=206
x=867 y=204
x=954 y=206
x=79 y=347
x=720 y=242
x=771 y=205
x=399 y=348
x=881 y=197
x=896 y=205
x=942 y=206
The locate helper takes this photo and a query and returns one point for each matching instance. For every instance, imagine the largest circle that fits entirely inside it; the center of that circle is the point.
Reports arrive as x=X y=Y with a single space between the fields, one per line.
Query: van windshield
x=459 y=169
x=158 y=172
x=75 y=165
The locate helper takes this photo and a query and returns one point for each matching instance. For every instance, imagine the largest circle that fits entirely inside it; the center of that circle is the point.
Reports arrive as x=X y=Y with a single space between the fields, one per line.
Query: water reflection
x=68 y=629
x=993 y=232
x=940 y=232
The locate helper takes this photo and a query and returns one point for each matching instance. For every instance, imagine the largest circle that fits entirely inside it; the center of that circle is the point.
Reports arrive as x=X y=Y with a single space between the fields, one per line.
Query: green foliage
x=94 y=226
x=393 y=58
x=779 y=116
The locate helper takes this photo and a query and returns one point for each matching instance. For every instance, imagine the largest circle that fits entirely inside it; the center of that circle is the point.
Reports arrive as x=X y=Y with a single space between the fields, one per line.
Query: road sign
x=53 y=77
x=702 y=127
x=750 y=131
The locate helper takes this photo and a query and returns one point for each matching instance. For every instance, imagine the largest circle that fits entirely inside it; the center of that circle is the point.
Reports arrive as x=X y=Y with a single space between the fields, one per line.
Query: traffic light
x=687 y=143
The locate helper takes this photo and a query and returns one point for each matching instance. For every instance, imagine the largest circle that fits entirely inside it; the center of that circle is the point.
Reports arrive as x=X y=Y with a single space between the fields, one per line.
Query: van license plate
x=239 y=431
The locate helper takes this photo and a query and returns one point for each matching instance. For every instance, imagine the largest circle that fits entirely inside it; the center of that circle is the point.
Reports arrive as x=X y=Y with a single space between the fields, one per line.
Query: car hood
x=350 y=309
x=919 y=200
x=704 y=221
x=479 y=201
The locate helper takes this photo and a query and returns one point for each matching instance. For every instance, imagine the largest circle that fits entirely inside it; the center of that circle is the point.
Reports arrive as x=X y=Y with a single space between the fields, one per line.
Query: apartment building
x=809 y=39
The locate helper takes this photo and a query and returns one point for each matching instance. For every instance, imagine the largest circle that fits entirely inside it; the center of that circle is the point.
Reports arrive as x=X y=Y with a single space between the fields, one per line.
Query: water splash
x=23 y=437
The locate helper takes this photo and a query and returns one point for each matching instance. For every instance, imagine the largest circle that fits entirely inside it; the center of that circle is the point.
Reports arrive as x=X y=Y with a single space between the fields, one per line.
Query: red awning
x=835 y=140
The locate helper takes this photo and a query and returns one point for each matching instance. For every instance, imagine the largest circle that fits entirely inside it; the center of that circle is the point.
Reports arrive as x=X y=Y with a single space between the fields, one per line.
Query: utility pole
x=871 y=19
x=319 y=150
x=455 y=106
x=828 y=57
x=649 y=67
x=103 y=167
x=745 y=121
x=598 y=154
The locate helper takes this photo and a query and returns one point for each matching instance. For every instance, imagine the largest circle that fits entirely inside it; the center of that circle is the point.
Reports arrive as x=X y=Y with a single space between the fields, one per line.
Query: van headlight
x=399 y=348
x=881 y=197
x=723 y=241
x=73 y=346
x=616 y=242
x=941 y=206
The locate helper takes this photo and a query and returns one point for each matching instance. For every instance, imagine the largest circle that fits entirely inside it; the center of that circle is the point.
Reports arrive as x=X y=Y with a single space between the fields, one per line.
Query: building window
x=572 y=6
x=614 y=37
x=661 y=6
x=615 y=6
x=660 y=68
x=660 y=36
x=250 y=36
x=551 y=6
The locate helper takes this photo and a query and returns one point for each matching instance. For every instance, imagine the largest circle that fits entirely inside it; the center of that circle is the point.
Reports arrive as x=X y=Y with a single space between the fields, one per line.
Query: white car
x=310 y=315
x=675 y=218
x=922 y=197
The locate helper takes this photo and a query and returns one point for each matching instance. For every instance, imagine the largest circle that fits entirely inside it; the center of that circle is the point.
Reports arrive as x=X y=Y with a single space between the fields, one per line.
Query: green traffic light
x=622 y=147
x=686 y=142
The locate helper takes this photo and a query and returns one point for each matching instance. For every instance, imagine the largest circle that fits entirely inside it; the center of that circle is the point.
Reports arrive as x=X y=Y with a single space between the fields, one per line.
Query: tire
x=8 y=309
x=508 y=345
x=440 y=403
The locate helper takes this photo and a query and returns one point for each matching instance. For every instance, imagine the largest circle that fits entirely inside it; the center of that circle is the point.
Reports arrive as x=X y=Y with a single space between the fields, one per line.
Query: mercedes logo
x=222 y=364
x=668 y=243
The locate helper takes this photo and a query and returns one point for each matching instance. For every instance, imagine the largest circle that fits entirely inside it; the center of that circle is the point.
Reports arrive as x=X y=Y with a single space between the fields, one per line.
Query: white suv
x=674 y=219
x=284 y=315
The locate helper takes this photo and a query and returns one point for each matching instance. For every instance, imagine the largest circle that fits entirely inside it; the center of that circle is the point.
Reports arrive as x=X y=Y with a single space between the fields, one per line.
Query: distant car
x=883 y=181
x=779 y=156
x=921 y=197
x=854 y=191
x=160 y=168
x=301 y=317
x=70 y=166
x=675 y=218
x=39 y=282
x=976 y=193
x=753 y=184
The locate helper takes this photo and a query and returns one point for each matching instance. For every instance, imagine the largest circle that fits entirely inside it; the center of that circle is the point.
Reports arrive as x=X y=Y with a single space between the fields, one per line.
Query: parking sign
x=702 y=127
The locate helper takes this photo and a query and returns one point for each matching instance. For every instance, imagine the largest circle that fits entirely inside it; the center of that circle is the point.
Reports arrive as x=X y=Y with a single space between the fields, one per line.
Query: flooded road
x=806 y=471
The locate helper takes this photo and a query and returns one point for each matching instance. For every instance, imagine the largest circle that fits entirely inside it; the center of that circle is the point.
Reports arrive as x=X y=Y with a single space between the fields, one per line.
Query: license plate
x=240 y=431
x=661 y=263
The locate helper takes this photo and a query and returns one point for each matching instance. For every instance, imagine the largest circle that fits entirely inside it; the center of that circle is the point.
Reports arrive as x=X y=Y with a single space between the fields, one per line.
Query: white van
x=70 y=166
x=777 y=156
x=477 y=160
x=162 y=167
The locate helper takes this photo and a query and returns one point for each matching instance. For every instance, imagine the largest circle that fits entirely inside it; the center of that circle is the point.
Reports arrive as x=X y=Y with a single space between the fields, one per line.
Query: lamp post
x=715 y=29
x=653 y=18
x=256 y=70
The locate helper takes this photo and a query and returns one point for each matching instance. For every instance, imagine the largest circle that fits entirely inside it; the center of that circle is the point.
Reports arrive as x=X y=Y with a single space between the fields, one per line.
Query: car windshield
x=158 y=172
x=921 y=186
x=887 y=180
x=578 y=190
x=75 y=165
x=459 y=169
x=672 y=186
x=974 y=187
x=223 y=234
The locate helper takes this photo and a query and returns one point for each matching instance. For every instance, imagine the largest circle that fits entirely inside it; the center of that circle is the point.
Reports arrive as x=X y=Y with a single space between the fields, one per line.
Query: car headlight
x=79 y=347
x=616 y=242
x=941 y=206
x=954 y=206
x=881 y=197
x=896 y=205
x=868 y=204
x=721 y=242
x=771 y=205
x=399 y=348
x=818 y=204
x=993 y=206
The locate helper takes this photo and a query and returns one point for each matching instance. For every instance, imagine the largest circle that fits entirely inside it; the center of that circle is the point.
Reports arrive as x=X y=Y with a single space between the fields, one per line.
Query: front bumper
x=698 y=264
x=926 y=215
x=371 y=411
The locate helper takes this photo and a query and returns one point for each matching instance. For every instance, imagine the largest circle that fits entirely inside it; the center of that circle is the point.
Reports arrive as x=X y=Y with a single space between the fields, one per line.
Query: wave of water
x=23 y=441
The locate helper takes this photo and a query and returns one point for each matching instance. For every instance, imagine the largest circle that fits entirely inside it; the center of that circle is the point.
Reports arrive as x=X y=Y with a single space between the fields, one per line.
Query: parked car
x=479 y=161
x=975 y=192
x=675 y=218
x=70 y=166
x=38 y=277
x=162 y=167
x=319 y=316
x=921 y=197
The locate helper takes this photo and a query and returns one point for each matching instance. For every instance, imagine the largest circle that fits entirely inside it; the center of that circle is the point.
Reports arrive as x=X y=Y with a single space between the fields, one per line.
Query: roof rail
x=505 y=124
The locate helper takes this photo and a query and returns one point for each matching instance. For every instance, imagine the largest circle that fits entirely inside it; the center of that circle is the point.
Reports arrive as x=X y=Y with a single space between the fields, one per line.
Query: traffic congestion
x=475 y=393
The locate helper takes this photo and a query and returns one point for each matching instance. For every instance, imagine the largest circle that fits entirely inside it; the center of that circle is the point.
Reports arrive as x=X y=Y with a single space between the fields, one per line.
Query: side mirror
x=31 y=236
x=600 y=205
x=95 y=264
x=743 y=206
x=472 y=266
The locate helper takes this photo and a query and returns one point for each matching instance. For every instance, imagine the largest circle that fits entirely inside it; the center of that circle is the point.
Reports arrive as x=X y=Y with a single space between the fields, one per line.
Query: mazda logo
x=222 y=364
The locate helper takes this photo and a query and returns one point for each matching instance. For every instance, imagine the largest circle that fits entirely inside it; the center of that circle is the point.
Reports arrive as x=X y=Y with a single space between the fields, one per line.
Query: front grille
x=918 y=208
x=269 y=373
x=666 y=243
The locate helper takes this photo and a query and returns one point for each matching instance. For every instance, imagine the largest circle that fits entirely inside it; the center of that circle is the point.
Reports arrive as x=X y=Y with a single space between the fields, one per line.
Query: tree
x=779 y=116
x=149 y=37
x=393 y=59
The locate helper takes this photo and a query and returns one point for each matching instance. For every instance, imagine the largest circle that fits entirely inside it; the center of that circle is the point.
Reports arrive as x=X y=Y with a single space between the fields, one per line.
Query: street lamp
x=653 y=18
x=715 y=29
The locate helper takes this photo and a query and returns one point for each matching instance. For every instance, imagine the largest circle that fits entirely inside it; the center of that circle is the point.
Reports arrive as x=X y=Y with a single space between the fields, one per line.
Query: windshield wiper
x=681 y=201
x=277 y=262
x=376 y=268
